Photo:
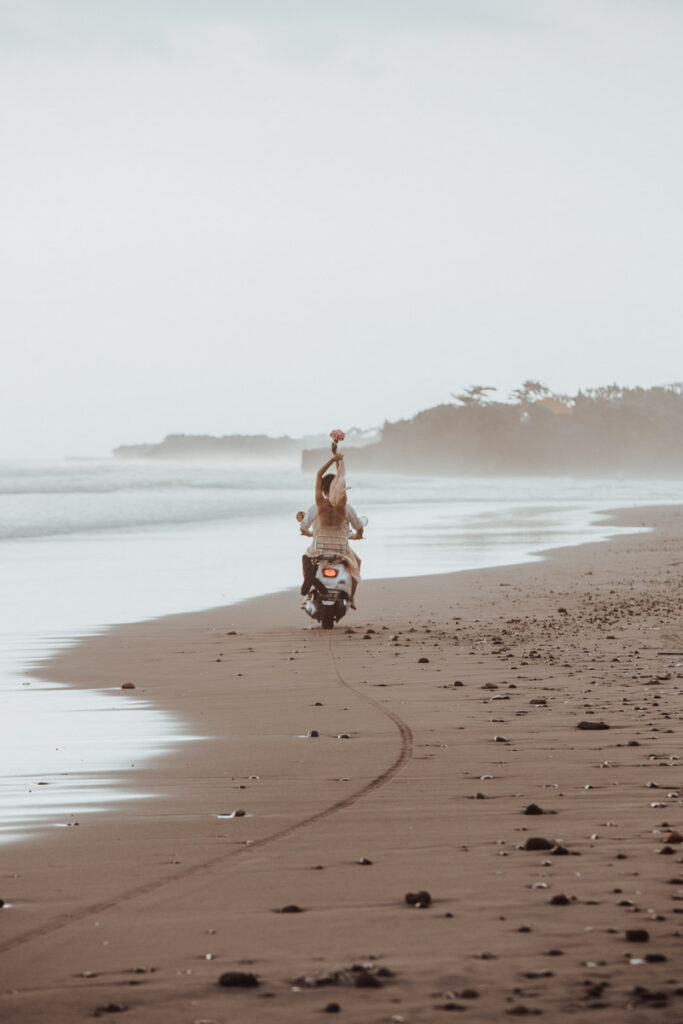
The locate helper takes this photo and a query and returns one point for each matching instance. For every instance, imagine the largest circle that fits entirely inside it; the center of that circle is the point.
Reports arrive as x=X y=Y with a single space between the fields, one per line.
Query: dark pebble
x=366 y=980
x=560 y=901
x=2 y=903
x=127 y=686
x=365 y=861
x=559 y=851
x=419 y=899
x=111 y=1008
x=637 y=935
x=423 y=661
x=332 y=1008
x=538 y=843
x=592 y=725
x=533 y=809
x=238 y=979
x=655 y=958
x=313 y=734
x=291 y=908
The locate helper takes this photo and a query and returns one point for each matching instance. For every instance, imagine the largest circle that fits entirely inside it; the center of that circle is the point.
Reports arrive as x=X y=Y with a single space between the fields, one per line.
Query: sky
x=284 y=216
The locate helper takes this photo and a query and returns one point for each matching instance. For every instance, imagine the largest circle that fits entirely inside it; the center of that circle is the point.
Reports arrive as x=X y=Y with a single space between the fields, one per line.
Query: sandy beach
x=401 y=755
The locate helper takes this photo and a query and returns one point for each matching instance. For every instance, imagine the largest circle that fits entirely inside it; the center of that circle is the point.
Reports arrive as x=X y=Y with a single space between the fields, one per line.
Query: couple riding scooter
x=331 y=568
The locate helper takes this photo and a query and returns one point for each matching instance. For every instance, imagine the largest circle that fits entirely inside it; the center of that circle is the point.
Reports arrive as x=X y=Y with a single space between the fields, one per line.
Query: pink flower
x=337 y=435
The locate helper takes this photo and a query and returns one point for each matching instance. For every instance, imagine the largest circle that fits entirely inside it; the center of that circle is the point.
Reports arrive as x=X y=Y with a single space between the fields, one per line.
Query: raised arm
x=338 y=488
x=319 y=479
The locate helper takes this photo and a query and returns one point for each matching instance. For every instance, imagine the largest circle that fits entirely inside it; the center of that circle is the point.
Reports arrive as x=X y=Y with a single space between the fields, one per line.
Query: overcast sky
x=281 y=216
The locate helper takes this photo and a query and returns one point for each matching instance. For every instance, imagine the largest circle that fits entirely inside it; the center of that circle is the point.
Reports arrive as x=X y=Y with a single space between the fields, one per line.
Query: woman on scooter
x=330 y=500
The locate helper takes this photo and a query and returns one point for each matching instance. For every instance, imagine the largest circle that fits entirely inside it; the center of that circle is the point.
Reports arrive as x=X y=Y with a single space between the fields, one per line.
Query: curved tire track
x=401 y=759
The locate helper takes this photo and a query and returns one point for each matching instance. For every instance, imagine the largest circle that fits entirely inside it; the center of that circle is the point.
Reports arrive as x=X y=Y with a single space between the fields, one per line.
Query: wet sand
x=443 y=709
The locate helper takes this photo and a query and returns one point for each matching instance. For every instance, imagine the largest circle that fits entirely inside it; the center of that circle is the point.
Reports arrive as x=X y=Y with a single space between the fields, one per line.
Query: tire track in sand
x=404 y=755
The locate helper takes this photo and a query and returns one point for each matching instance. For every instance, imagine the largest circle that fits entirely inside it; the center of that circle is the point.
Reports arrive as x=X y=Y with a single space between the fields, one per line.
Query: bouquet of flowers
x=337 y=436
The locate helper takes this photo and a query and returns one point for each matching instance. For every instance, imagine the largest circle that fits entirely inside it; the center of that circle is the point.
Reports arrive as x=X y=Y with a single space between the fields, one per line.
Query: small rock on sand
x=637 y=935
x=238 y=979
x=127 y=686
x=538 y=843
x=419 y=899
x=594 y=726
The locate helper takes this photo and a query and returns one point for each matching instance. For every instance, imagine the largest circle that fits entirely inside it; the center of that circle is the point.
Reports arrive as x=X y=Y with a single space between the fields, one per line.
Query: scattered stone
x=332 y=1008
x=312 y=734
x=538 y=843
x=343 y=736
x=419 y=899
x=637 y=935
x=238 y=979
x=500 y=739
x=364 y=979
x=239 y=813
x=533 y=809
x=127 y=686
x=423 y=661
x=674 y=837
x=593 y=725
x=365 y=861
x=110 y=1008
x=655 y=958
x=291 y=908
x=643 y=996
x=560 y=900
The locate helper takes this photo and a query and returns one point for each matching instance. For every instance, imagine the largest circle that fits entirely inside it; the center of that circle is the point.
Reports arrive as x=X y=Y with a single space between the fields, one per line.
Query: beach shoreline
x=425 y=778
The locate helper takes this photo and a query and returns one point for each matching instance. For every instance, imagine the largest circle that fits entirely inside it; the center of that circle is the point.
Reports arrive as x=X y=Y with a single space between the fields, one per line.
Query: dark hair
x=327 y=482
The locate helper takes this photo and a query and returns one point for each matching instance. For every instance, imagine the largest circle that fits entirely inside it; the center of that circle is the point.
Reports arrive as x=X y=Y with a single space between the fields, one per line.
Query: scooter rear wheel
x=327 y=616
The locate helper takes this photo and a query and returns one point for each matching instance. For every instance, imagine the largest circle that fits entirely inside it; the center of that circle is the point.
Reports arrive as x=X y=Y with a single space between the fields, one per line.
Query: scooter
x=330 y=592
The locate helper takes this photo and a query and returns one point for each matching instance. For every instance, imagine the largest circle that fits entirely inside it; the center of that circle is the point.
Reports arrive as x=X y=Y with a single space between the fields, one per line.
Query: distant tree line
x=606 y=431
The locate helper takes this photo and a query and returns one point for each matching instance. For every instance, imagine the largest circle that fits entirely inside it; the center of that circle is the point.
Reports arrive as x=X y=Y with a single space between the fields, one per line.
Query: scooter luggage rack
x=327 y=547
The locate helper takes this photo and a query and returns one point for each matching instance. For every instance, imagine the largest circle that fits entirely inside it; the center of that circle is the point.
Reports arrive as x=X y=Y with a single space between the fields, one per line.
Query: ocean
x=88 y=544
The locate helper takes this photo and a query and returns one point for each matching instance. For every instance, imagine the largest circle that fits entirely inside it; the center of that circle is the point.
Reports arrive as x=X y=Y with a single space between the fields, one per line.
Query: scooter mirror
x=364 y=520
x=300 y=516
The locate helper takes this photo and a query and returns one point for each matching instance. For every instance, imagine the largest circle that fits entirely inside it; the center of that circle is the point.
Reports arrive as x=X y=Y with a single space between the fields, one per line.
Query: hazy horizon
x=225 y=217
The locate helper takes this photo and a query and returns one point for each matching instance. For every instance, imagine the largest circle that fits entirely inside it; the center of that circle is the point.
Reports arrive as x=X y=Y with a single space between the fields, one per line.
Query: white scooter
x=330 y=592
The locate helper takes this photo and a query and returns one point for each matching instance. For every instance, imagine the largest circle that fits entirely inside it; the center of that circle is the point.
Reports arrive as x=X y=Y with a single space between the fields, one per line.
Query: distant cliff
x=231 y=447
x=608 y=431
x=204 y=446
